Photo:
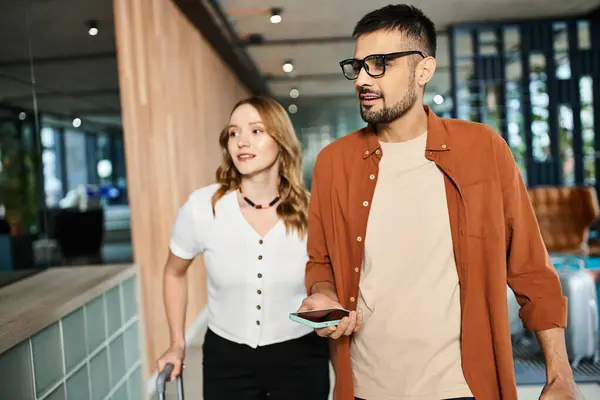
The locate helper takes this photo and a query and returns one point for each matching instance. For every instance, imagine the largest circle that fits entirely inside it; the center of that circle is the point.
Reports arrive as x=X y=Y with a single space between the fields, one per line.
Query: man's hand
x=347 y=325
x=561 y=389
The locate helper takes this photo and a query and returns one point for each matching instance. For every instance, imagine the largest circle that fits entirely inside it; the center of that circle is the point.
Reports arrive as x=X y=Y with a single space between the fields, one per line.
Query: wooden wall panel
x=176 y=96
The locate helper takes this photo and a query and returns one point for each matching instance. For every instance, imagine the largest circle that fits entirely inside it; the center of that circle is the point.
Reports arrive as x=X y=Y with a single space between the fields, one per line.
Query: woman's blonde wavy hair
x=293 y=206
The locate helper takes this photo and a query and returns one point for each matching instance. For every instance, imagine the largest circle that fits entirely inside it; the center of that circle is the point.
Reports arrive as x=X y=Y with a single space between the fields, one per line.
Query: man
x=416 y=224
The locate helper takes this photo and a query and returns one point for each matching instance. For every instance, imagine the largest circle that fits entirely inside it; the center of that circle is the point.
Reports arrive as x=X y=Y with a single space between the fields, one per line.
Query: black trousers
x=296 y=369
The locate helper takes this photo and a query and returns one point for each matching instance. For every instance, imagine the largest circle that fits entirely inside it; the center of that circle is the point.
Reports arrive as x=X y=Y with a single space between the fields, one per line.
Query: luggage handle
x=594 y=311
x=163 y=378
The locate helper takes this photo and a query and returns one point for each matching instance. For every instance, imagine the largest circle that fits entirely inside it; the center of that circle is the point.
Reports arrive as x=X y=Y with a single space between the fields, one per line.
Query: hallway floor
x=193 y=378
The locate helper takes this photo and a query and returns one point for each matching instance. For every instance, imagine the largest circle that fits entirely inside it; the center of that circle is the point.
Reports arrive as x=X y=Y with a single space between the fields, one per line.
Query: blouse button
x=259 y=275
x=371 y=177
x=257 y=322
x=260 y=257
x=359 y=239
x=258 y=307
x=352 y=299
x=259 y=291
x=260 y=241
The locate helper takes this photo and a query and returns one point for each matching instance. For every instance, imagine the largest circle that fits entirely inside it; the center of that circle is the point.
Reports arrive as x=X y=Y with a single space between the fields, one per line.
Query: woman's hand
x=174 y=355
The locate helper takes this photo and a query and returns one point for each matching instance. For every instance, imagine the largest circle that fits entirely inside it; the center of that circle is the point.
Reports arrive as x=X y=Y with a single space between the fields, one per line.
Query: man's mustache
x=364 y=90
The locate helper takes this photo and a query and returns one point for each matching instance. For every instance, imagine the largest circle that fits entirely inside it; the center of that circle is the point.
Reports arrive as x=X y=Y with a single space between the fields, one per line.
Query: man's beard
x=390 y=114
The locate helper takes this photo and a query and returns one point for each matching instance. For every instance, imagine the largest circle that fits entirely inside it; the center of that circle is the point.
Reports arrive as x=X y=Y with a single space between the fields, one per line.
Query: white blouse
x=254 y=282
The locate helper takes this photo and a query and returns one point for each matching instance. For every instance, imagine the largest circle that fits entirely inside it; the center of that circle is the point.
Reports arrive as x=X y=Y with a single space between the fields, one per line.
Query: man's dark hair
x=403 y=18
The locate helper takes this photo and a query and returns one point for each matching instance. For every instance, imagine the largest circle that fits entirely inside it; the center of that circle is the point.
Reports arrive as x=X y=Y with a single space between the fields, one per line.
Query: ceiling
x=49 y=61
x=316 y=69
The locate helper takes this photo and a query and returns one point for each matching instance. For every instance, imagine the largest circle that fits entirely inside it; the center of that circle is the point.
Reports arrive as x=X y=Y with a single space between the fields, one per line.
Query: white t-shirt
x=254 y=282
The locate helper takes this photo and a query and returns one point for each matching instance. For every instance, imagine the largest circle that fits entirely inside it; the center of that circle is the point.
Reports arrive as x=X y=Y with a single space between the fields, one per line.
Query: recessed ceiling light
x=438 y=99
x=288 y=66
x=77 y=122
x=275 y=15
x=92 y=27
x=293 y=109
x=294 y=93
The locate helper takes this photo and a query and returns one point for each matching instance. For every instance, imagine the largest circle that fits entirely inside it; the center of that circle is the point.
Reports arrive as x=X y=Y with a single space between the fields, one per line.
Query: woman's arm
x=175 y=301
x=175 y=287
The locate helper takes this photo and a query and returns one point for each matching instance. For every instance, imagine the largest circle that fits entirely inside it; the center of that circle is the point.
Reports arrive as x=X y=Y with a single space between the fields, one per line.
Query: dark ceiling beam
x=305 y=77
x=594 y=14
x=255 y=41
x=72 y=94
x=58 y=60
x=233 y=55
x=320 y=77
x=97 y=112
x=258 y=40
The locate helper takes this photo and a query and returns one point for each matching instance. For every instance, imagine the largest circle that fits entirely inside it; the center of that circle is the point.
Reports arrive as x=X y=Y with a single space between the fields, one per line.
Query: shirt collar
x=438 y=138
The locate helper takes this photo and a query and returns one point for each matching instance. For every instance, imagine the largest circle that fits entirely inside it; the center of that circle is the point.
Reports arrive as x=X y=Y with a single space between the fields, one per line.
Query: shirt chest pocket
x=484 y=209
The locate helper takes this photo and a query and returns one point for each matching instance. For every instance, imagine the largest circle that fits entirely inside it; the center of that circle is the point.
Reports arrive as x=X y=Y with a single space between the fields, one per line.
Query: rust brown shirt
x=495 y=237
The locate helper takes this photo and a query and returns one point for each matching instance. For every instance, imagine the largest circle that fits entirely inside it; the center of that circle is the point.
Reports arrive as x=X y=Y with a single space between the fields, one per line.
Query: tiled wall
x=90 y=354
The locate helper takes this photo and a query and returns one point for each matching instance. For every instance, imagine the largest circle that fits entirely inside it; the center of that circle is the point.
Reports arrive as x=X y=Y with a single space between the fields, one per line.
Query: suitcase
x=163 y=378
x=579 y=288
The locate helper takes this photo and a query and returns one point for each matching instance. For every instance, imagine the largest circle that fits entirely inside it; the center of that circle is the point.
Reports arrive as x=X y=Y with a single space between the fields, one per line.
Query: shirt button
x=365 y=203
x=352 y=299
x=444 y=146
x=371 y=177
x=359 y=239
x=367 y=153
x=259 y=275
x=356 y=269
x=260 y=257
x=377 y=152
x=259 y=291
x=258 y=307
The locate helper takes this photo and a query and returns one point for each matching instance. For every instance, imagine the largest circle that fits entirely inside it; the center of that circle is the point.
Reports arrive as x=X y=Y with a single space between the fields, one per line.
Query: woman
x=251 y=227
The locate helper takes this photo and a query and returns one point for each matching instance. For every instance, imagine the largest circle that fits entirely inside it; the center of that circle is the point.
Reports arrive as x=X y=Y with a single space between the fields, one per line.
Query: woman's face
x=251 y=148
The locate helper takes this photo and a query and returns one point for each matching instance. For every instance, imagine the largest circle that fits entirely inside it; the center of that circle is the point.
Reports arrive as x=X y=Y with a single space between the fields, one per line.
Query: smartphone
x=320 y=318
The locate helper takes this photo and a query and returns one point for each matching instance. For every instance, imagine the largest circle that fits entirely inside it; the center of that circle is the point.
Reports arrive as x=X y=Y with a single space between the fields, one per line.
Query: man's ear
x=426 y=70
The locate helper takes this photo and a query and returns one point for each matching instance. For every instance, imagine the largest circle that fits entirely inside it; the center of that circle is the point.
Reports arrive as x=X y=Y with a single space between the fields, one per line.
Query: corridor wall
x=176 y=95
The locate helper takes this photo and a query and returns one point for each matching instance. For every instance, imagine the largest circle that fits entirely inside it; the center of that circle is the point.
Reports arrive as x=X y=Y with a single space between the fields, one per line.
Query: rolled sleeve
x=545 y=313
x=318 y=267
x=530 y=274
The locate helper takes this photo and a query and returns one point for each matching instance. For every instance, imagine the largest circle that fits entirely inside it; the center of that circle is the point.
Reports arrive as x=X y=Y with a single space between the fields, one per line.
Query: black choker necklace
x=259 y=206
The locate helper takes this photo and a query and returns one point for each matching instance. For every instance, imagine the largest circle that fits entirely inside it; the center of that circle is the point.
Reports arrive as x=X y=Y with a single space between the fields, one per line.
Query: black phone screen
x=323 y=315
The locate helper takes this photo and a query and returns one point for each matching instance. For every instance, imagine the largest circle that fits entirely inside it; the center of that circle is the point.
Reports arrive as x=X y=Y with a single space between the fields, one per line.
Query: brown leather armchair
x=565 y=215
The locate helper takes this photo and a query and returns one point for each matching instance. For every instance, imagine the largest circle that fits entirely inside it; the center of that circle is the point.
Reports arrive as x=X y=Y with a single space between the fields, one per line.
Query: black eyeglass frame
x=385 y=57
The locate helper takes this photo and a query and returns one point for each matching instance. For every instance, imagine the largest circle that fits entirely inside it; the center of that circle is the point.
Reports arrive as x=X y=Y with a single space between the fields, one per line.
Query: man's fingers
x=351 y=324
x=326 y=332
x=341 y=328
x=359 y=321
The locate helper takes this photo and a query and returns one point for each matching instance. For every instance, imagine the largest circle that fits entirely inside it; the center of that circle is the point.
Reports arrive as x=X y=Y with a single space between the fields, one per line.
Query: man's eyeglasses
x=374 y=64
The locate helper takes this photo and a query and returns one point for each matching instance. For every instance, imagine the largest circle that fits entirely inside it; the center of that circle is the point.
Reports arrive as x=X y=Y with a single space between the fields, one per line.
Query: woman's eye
x=232 y=133
x=257 y=131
